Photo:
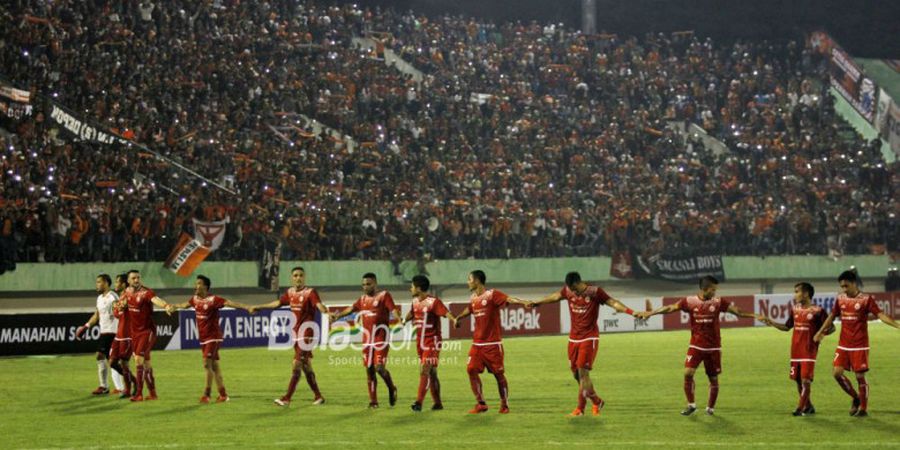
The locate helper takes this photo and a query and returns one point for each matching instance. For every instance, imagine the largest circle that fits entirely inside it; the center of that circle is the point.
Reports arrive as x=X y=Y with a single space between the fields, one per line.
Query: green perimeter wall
x=75 y=277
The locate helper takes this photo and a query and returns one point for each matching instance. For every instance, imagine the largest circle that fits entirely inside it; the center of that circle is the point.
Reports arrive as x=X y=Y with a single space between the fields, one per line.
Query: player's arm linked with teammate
x=271 y=305
x=465 y=313
x=170 y=308
x=620 y=307
x=747 y=315
x=661 y=310
x=552 y=298
x=237 y=305
x=346 y=312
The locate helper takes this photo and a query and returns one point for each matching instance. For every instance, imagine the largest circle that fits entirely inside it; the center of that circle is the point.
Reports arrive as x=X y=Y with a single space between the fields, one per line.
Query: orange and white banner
x=186 y=256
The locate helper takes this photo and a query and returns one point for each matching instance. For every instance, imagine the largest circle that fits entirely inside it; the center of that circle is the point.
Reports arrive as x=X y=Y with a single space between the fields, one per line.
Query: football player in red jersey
x=426 y=313
x=704 y=310
x=852 y=352
x=120 y=353
x=487 y=344
x=303 y=301
x=140 y=300
x=805 y=319
x=375 y=310
x=584 y=302
x=206 y=313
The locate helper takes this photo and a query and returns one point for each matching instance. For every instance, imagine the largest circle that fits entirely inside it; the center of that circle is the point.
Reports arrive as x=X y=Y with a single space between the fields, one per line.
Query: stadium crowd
x=521 y=140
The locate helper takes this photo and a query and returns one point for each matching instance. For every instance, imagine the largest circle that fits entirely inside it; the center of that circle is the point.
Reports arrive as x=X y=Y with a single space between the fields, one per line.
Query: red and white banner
x=210 y=234
x=621 y=267
x=186 y=256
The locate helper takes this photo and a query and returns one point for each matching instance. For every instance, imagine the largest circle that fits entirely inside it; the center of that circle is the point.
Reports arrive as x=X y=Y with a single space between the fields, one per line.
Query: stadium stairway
x=687 y=130
x=391 y=58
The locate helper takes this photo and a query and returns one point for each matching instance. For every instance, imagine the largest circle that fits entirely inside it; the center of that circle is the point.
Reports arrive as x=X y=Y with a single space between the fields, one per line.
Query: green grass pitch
x=46 y=401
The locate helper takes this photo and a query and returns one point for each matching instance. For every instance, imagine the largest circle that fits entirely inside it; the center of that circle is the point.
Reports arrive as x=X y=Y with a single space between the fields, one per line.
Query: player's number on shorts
x=689 y=357
x=793 y=371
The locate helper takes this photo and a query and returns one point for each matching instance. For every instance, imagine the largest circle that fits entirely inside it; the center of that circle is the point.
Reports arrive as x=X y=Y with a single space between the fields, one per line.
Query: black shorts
x=105 y=343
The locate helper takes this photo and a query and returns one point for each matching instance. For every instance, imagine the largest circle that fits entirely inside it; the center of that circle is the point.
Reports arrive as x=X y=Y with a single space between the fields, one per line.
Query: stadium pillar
x=589 y=16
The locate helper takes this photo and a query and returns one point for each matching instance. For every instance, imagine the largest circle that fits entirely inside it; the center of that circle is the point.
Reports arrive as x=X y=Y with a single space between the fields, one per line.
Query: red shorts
x=429 y=351
x=121 y=349
x=210 y=349
x=143 y=343
x=303 y=348
x=486 y=356
x=711 y=359
x=855 y=360
x=803 y=370
x=375 y=354
x=582 y=354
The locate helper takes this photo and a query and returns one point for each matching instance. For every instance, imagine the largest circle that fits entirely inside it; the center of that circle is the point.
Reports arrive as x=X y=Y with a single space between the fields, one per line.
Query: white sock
x=102 y=369
x=118 y=380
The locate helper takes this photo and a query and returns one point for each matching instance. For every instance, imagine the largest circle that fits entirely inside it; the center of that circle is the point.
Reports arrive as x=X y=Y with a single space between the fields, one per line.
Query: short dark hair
x=128 y=274
x=708 y=281
x=298 y=268
x=849 y=276
x=105 y=278
x=573 y=278
x=479 y=275
x=421 y=282
x=807 y=288
x=205 y=281
x=123 y=277
x=370 y=275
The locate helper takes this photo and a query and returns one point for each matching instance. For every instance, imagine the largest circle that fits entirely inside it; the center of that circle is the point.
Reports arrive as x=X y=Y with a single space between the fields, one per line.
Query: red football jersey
x=375 y=315
x=806 y=322
x=124 y=328
x=303 y=303
x=584 y=310
x=140 y=308
x=485 y=309
x=854 y=313
x=427 y=314
x=206 y=311
x=704 y=320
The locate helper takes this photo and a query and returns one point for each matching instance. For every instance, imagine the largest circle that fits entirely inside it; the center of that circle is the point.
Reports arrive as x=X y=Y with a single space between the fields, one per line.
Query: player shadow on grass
x=90 y=408
x=177 y=409
x=76 y=400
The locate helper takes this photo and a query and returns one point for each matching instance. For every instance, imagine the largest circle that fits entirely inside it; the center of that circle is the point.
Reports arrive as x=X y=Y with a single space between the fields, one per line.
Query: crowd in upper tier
x=521 y=140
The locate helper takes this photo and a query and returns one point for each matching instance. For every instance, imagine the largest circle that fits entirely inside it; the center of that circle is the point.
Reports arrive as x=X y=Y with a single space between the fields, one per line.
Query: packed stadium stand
x=521 y=140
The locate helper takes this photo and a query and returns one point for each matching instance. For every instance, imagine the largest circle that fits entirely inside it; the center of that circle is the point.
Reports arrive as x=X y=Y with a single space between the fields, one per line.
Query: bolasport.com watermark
x=393 y=361
x=342 y=336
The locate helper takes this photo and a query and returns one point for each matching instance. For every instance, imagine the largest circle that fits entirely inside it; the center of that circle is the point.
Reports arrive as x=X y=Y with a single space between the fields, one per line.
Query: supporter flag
x=269 y=265
x=621 y=265
x=186 y=256
x=210 y=234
